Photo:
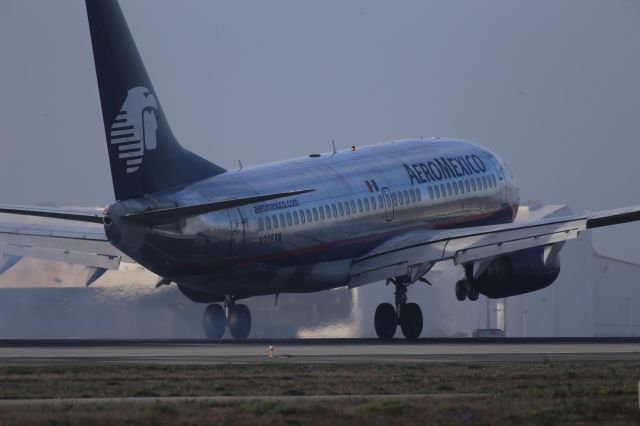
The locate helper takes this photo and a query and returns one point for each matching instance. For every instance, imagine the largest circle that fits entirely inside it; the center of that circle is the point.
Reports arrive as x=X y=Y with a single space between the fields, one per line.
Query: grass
x=543 y=393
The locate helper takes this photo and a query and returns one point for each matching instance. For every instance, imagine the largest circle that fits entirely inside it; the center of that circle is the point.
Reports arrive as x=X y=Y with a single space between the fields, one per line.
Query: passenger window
x=268 y=222
x=275 y=222
x=295 y=217
x=346 y=208
x=473 y=184
x=341 y=209
x=327 y=211
x=437 y=191
x=455 y=188
x=400 y=201
x=394 y=198
x=449 y=189
x=461 y=186
x=308 y=215
x=406 y=197
x=353 y=206
x=380 y=201
x=430 y=190
x=443 y=190
x=366 y=204
x=260 y=224
x=321 y=211
x=315 y=214
x=302 y=219
x=485 y=185
x=289 y=221
x=334 y=210
x=479 y=184
x=413 y=195
x=360 y=208
x=281 y=220
x=467 y=185
x=493 y=178
x=418 y=195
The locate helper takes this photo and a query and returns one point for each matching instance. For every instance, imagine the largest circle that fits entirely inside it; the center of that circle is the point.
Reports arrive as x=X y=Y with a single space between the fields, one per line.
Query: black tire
x=473 y=294
x=214 y=322
x=239 y=322
x=411 y=321
x=385 y=321
x=462 y=290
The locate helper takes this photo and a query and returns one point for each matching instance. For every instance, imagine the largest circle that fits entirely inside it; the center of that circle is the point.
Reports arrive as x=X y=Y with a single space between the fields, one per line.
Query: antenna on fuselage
x=240 y=164
x=333 y=145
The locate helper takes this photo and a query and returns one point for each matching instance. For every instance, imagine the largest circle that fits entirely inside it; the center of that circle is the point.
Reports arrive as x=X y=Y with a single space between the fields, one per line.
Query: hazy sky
x=551 y=86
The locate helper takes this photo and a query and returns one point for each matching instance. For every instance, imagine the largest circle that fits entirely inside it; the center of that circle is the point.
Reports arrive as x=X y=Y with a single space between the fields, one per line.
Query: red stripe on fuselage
x=283 y=255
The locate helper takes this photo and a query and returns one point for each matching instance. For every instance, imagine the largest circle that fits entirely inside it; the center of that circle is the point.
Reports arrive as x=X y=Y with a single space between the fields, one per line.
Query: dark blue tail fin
x=145 y=157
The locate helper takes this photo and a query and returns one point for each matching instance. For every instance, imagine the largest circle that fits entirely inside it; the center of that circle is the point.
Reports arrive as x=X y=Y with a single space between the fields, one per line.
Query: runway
x=111 y=352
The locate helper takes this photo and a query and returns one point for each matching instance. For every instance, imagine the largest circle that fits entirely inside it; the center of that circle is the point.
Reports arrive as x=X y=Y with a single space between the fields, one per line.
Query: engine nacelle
x=516 y=273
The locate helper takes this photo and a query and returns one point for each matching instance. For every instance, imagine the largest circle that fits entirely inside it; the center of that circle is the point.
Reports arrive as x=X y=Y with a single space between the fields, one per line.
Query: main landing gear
x=464 y=290
x=236 y=316
x=407 y=315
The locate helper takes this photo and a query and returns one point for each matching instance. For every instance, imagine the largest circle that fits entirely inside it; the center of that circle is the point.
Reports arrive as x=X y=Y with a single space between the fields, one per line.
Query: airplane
x=384 y=212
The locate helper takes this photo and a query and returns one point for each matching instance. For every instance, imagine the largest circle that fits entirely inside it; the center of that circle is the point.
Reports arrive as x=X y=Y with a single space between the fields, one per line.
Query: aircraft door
x=388 y=204
x=236 y=224
x=502 y=183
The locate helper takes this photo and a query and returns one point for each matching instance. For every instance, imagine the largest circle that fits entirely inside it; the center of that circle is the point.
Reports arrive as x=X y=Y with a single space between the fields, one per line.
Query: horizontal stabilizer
x=90 y=215
x=169 y=215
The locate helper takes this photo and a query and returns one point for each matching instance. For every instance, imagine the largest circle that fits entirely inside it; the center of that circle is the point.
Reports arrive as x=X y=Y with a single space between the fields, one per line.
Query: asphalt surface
x=96 y=352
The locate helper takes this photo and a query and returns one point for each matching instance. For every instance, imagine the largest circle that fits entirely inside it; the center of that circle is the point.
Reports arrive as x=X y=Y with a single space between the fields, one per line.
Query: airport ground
x=581 y=382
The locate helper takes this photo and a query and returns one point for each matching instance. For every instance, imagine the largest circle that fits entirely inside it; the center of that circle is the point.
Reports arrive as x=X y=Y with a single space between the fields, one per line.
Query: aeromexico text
x=445 y=168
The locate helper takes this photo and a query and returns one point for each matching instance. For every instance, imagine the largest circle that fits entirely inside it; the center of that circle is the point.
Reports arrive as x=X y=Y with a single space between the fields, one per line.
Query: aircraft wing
x=414 y=253
x=80 y=243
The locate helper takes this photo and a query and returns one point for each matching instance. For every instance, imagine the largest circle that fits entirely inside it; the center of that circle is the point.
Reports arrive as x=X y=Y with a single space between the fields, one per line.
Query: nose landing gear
x=407 y=315
x=464 y=290
x=237 y=317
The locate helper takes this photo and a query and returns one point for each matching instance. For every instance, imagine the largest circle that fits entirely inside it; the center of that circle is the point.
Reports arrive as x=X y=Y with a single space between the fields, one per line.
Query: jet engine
x=517 y=273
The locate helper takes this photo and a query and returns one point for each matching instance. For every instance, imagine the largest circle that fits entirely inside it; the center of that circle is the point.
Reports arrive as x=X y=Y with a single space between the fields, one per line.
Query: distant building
x=593 y=296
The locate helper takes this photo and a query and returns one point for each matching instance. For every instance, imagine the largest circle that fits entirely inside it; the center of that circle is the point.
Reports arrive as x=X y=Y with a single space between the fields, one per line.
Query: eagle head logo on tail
x=134 y=128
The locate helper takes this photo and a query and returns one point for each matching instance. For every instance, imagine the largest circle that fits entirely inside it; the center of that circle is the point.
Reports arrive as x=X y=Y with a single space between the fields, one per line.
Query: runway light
x=270 y=351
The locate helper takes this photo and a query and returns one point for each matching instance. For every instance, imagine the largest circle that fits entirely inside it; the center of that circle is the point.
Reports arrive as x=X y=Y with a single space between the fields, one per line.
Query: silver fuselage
x=306 y=243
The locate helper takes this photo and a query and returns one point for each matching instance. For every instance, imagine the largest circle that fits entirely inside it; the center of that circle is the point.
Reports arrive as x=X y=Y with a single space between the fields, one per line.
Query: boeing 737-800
x=388 y=211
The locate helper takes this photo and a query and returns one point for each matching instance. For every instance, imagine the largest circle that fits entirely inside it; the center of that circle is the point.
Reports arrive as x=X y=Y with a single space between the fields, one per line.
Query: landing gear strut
x=407 y=315
x=236 y=316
